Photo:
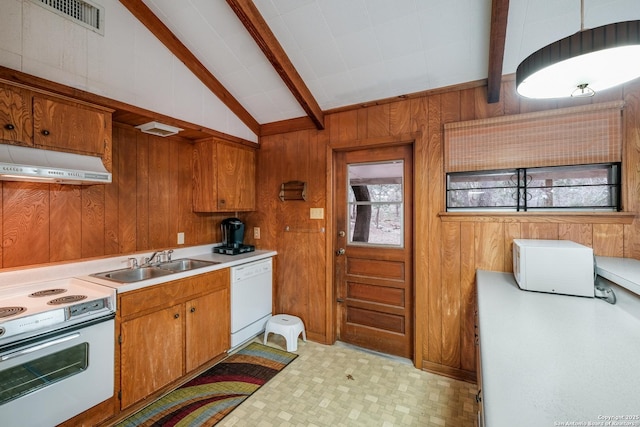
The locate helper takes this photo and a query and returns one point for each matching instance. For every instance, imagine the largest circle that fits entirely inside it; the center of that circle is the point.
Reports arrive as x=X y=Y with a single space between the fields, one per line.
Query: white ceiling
x=355 y=51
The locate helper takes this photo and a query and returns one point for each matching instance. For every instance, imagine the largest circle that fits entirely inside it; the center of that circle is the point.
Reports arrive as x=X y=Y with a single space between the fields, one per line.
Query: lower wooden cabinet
x=207 y=332
x=168 y=330
x=150 y=353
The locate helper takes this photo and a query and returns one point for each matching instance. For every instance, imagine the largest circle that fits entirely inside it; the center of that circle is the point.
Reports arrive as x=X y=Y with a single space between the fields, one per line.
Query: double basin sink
x=130 y=275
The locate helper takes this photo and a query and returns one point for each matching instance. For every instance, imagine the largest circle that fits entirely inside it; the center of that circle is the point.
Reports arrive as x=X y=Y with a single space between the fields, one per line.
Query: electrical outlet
x=256 y=233
x=181 y=238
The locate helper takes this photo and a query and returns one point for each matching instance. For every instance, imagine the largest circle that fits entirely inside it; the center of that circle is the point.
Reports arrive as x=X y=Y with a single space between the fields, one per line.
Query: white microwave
x=554 y=266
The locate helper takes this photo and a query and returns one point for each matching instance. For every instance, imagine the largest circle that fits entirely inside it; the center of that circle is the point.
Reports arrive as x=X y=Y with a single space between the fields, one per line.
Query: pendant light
x=582 y=64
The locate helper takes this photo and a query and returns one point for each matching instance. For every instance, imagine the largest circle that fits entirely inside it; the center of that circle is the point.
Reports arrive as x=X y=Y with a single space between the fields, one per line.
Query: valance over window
x=569 y=136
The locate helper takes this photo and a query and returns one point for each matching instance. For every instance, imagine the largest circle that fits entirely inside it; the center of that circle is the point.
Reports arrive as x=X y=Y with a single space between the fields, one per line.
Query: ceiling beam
x=162 y=33
x=261 y=33
x=499 y=14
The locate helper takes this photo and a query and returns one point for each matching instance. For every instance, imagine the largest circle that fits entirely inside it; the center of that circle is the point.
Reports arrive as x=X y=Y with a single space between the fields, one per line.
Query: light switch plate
x=316 y=213
x=181 y=238
x=256 y=233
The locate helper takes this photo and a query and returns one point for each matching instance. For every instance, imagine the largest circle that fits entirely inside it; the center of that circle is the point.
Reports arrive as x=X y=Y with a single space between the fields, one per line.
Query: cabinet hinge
x=119 y=339
x=119 y=394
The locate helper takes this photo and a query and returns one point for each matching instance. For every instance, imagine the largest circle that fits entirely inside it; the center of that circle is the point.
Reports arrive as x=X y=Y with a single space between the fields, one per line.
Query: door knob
x=340 y=251
x=341 y=233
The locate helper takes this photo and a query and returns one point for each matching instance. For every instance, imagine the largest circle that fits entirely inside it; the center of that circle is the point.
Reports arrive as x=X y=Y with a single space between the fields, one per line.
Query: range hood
x=35 y=165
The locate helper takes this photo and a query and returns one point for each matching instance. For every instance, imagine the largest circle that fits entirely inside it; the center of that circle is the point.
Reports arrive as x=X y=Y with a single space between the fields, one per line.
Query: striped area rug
x=208 y=398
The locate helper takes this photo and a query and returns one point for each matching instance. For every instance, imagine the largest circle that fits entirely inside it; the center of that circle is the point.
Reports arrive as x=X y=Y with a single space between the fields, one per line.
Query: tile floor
x=341 y=385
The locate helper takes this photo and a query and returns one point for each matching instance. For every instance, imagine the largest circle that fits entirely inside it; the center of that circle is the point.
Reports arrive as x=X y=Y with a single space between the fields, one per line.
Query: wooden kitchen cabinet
x=150 y=358
x=59 y=124
x=16 y=124
x=34 y=118
x=170 y=329
x=204 y=320
x=224 y=177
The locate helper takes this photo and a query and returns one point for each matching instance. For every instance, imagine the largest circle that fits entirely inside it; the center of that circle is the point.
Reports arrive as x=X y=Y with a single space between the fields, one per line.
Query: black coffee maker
x=232 y=238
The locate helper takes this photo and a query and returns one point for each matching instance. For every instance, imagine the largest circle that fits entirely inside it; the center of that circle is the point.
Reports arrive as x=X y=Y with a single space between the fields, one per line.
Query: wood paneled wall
x=146 y=205
x=287 y=228
x=448 y=248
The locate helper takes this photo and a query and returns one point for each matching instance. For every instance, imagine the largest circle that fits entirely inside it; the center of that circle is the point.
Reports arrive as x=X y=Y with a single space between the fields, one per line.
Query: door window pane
x=375 y=203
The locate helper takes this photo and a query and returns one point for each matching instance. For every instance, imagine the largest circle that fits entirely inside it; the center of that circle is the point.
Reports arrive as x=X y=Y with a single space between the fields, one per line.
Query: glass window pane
x=375 y=203
x=478 y=198
x=577 y=187
x=384 y=228
x=490 y=189
x=598 y=196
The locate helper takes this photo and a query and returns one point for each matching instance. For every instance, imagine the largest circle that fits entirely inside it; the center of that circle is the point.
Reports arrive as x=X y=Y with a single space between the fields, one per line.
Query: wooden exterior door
x=373 y=243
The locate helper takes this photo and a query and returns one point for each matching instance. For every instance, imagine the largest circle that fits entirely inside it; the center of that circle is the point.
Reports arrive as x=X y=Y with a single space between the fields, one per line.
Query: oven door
x=46 y=382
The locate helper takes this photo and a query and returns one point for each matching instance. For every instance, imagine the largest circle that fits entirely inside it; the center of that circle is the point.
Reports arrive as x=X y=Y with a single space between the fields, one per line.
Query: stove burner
x=66 y=299
x=10 y=311
x=47 y=293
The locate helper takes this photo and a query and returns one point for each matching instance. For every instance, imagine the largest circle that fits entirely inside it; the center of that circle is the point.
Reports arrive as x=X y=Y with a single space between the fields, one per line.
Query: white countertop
x=623 y=271
x=549 y=359
x=83 y=269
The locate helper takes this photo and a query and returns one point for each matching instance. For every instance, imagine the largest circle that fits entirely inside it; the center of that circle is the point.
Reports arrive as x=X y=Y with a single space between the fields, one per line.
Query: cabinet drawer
x=141 y=300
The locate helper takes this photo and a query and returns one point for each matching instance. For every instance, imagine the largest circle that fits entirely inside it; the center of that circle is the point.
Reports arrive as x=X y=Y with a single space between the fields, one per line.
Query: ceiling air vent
x=158 y=129
x=83 y=12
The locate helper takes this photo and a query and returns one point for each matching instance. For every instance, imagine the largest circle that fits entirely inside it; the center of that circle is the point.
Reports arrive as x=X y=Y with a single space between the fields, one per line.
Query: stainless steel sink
x=185 y=264
x=129 y=275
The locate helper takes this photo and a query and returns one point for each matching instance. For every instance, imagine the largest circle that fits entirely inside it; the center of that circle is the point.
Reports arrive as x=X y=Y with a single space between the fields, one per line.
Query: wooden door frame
x=331 y=245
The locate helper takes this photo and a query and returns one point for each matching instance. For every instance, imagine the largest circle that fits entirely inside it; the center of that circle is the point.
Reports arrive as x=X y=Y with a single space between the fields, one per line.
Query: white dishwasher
x=251 y=300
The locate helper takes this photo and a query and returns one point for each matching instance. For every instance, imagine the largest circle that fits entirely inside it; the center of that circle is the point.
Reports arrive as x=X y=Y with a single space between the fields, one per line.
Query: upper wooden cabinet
x=34 y=118
x=70 y=126
x=224 y=177
x=16 y=124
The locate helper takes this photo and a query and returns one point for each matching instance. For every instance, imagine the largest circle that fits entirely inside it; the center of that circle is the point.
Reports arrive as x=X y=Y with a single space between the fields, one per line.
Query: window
x=577 y=188
x=375 y=203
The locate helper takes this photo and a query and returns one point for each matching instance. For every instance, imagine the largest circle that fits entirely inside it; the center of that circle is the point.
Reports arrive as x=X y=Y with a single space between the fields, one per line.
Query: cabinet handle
x=45 y=132
x=175 y=316
x=193 y=309
x=479 y=397
x=9 y=126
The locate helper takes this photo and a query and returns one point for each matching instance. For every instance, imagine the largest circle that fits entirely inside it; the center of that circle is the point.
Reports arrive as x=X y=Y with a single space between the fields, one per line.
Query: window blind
x=568 y=136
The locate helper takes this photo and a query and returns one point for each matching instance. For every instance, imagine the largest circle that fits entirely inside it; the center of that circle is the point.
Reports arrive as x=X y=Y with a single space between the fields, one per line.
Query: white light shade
x=587 y=62
x=600 y=70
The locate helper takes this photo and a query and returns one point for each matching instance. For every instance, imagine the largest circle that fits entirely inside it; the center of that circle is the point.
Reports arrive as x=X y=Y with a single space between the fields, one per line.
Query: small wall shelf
x=293 y=190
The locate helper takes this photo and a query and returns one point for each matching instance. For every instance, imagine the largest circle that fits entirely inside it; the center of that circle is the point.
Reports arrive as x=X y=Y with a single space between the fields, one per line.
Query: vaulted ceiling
x=276 y=60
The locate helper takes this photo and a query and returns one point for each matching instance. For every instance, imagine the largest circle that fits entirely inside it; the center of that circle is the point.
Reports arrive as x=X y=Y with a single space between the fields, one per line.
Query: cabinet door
x=205 y=184
x=208 y=327
x=16 y=125
x=151 y=353
x=236 y=170
x=70 y=127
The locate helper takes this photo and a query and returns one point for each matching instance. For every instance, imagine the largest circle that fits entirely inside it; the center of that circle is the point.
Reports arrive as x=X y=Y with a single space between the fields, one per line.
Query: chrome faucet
x=134 y=263
x=147 y=260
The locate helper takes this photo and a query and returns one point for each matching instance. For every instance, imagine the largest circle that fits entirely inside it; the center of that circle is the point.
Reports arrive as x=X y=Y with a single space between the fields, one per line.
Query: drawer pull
x=193 y=309
x=45 y=132
x=9 y=126
x=175 y=316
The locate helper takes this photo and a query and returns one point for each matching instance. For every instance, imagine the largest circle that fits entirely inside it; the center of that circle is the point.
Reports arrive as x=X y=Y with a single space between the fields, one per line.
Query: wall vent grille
x=83 y=12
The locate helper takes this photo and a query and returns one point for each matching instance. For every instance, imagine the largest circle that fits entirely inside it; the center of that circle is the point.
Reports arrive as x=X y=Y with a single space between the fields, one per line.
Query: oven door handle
x=38 y=347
